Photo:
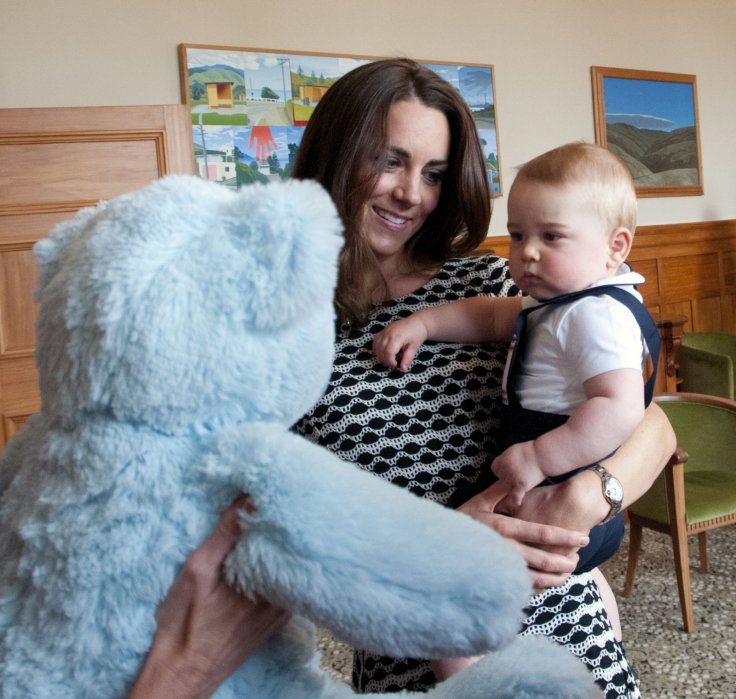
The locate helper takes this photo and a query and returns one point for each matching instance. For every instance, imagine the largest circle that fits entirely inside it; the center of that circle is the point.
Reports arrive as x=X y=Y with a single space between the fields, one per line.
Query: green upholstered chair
x=695 y=492
x=706 y=364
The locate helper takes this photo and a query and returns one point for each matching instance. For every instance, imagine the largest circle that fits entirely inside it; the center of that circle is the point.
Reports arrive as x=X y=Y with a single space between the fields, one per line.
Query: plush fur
x=182 y=330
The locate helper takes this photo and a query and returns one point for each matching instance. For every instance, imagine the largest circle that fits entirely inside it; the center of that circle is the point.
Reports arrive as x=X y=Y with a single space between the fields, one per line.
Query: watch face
x=614 y=490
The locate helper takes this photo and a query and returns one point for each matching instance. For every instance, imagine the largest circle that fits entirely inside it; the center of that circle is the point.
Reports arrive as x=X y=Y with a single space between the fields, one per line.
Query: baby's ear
x=620 y=242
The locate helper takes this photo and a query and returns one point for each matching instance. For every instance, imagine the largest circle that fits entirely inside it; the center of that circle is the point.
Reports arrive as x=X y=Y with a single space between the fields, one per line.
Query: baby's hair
x=608 y=178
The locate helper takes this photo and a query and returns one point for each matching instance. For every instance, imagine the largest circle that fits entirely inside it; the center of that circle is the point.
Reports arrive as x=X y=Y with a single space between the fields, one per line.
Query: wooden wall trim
x=646 y=236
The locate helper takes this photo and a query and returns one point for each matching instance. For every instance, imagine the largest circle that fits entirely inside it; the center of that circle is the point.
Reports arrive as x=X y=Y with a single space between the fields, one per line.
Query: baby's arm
x=614 y=407
x=472 y=320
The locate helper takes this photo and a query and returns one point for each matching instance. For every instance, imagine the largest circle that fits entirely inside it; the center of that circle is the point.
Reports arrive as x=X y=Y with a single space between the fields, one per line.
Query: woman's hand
x=550 y=551
x=205 y=630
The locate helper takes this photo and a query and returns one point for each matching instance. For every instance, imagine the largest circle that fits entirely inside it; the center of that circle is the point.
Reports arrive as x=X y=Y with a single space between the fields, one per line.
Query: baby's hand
x=404 y=337
x=518 y=471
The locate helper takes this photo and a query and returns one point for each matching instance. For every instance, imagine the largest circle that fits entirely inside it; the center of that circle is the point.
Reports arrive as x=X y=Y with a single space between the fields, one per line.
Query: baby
x=573 y=388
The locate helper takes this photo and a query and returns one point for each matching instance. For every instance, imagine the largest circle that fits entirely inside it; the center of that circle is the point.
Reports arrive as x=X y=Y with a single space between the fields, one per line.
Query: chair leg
x=675 y=484
x=634 y=548
x=703 y=552
x=682 y=568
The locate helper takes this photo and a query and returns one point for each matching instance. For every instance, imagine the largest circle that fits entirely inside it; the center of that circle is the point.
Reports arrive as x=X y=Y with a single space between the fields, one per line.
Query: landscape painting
x=250 y=107
x=650 y=120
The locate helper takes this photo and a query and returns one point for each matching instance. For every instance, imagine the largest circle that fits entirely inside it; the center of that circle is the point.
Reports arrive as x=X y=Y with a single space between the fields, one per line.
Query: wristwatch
x=613 y=491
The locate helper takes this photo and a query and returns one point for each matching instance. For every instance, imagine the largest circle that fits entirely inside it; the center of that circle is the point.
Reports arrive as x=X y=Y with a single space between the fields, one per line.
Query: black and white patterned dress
x=428 y=430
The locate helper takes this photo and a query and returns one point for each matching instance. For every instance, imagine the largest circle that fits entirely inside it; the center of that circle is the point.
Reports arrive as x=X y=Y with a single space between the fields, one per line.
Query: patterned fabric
x=429 y=430
x=573 y=615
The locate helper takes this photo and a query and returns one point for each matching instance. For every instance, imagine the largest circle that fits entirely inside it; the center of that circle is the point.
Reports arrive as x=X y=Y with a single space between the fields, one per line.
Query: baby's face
x=559 y=242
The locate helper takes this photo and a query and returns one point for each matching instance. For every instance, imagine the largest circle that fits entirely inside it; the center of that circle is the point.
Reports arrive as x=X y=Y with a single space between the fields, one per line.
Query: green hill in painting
x=656 y=157
x=216 y=74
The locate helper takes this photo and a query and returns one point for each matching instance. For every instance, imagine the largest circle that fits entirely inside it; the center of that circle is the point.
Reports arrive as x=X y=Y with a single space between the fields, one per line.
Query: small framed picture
x=650 y=120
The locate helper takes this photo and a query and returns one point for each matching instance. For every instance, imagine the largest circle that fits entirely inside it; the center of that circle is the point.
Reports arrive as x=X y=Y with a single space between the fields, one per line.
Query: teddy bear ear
x=290 y=234
x=48 y=252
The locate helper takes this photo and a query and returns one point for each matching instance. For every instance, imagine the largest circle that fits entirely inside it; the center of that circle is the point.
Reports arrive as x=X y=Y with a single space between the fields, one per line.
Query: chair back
x=706 y=363
x=705 y=427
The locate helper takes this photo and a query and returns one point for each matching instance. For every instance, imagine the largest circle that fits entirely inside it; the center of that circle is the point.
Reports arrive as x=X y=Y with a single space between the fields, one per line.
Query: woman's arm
x=547 y=529
x=205 y=630
x=578 y=502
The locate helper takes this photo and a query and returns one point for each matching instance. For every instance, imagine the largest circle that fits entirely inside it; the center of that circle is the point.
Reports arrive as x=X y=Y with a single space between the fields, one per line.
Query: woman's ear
x=620 y=242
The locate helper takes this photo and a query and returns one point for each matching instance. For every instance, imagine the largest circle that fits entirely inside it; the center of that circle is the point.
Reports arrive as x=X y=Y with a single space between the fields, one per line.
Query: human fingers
x=516 y=495
x=212 y=552
x=495 y=495
x=407 y=354
x=545 y=536
x=550 y=552
x=202 y=571
x=546 y=568
x=383 y=349
x=393 y=348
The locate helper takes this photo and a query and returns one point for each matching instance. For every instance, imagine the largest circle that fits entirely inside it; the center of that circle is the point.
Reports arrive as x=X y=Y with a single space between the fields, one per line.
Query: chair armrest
x=679 y=456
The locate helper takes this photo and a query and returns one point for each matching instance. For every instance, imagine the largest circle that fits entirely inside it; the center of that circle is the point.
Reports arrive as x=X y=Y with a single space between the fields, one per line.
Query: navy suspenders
x=646 y=323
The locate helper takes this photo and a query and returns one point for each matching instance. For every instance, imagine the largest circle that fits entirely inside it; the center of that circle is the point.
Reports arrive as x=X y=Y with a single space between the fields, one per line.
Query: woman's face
x=409 y=186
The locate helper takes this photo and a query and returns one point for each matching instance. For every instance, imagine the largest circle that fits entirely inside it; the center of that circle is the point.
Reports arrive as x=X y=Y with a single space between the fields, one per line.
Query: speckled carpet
x=671 y=664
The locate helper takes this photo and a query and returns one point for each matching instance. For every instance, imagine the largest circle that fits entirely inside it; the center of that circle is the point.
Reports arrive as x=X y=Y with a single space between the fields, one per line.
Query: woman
x=397 y=148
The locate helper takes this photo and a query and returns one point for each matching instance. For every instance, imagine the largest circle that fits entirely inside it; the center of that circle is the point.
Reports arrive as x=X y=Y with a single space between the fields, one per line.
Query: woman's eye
x=434 y=176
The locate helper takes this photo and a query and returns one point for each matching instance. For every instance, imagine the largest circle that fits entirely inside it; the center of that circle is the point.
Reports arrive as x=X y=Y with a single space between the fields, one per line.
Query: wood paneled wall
x=690 y=270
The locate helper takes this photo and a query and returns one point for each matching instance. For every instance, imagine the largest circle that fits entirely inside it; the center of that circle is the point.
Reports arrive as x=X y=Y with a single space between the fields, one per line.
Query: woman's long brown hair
x=342 y=148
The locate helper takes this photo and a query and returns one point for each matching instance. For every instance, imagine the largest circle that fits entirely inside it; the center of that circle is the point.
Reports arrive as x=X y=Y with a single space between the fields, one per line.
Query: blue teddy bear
x=182 y=330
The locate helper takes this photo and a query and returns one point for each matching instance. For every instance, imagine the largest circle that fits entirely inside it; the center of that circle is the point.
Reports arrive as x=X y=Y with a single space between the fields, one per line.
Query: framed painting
x=250 y=106
x=650 y=120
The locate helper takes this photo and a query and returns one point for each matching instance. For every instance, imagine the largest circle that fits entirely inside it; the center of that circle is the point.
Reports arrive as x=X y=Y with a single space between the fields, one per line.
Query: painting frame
x=225 y=94
x=652 y=103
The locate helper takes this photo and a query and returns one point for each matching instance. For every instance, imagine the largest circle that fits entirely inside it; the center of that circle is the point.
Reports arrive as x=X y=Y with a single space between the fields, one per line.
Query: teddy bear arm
x=381 y=568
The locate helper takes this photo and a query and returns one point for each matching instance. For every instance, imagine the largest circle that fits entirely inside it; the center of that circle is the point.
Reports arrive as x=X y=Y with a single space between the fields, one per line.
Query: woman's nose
x=408 y=189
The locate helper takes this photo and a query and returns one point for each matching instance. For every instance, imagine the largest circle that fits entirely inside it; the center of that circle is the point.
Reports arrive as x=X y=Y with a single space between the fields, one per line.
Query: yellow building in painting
x=311 y=94
x=219 y=95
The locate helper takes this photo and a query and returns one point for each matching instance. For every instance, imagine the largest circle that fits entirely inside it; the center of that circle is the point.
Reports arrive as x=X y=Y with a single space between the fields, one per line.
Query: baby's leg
x=609 y=601
x=443 y=669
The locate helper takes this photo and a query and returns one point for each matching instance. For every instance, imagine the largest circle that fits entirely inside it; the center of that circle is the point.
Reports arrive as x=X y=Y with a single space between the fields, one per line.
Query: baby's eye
x=552 y=237
x=516 y=237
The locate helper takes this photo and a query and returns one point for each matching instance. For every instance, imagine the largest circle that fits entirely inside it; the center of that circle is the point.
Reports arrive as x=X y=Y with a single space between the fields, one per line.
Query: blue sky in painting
x=649 y=104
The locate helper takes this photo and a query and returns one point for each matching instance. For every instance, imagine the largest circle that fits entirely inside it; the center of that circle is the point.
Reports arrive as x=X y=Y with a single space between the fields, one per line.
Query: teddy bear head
x=190 y=306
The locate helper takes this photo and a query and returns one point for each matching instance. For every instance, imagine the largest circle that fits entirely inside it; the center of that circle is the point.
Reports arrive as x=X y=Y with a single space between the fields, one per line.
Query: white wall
x=115 y=52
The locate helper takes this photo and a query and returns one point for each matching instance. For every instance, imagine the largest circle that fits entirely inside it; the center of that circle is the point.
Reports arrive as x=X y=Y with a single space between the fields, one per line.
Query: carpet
x=671 y=663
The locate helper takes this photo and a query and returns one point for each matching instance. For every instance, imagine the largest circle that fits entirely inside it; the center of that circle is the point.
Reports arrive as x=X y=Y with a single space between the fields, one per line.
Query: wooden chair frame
x=677 y=528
